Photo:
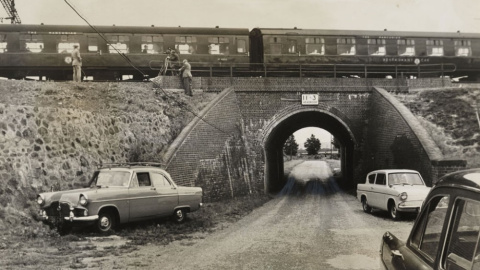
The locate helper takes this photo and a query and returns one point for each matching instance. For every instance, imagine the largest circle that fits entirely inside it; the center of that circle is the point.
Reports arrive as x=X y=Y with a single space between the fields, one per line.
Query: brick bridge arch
x=296 y=117
x=237 y=150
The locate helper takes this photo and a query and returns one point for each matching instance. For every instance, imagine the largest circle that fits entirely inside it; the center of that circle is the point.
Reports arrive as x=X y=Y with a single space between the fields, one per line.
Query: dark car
x=446 y=232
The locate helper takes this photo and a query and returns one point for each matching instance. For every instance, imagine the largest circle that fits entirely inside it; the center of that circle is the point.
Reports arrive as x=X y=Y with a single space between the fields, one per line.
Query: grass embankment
x=449 y=115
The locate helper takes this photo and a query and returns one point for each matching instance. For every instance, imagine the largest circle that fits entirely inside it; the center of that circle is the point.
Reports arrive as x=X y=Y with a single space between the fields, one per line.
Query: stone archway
x=286 y=123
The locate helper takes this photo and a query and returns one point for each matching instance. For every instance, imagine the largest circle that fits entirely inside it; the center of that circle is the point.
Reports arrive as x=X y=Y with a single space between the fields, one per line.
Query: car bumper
x=54 y=219
x=410 y=206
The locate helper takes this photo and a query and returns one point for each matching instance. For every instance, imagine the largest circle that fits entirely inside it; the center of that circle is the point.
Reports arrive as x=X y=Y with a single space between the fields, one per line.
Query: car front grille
x=52 y=210
x=64 y=210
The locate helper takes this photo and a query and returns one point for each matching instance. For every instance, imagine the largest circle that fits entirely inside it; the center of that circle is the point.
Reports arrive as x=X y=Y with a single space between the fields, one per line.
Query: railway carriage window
x=152 y=44
x=3 y=43
x=406 y=47
x=376 y=46
x=275 y=45
x=118 y=43
x=346 y=46
x=31 y=43
x=292 y=46
x=186 y=45
x=241 y=46
x=92 y=44
x=65 y=45
x=218 y=45
x=435 y=47
x=315 y=45
x=463 y=48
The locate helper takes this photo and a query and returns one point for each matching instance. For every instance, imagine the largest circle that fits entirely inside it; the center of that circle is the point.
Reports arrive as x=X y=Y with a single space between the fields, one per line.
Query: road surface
x=315 y=226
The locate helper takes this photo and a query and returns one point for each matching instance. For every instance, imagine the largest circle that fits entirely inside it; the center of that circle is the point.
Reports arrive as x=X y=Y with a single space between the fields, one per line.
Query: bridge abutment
x=257 y=115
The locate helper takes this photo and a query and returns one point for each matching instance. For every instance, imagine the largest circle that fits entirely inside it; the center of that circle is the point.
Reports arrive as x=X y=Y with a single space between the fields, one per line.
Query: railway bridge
x=235 y=146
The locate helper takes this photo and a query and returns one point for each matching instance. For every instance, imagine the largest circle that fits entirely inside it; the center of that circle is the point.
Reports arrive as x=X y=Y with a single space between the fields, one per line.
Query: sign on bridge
x=309 y=99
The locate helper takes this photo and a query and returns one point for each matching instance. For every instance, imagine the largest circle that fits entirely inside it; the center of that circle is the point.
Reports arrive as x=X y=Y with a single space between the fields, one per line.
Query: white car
x=392 y=190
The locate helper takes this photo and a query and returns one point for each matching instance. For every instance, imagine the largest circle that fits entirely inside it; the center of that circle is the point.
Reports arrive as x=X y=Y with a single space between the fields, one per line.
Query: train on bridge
x=126 y=52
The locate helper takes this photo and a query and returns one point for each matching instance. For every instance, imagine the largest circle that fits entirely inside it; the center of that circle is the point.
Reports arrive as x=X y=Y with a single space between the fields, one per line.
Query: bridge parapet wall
x=217 y=84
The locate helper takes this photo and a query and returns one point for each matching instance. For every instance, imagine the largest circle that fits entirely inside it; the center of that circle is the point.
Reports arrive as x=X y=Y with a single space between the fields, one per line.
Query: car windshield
x=111 y=179
x=404 y=179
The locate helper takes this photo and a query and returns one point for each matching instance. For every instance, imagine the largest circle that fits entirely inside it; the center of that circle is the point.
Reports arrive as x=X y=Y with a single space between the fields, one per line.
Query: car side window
x=160 y=180
x=381 y=179
x=143 y=179
x=464 y=237
x=371 y=178
x=426 y=236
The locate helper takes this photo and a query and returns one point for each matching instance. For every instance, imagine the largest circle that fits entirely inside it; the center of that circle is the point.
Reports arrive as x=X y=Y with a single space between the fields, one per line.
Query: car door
x=167 y=194
x=368 y=188
x=425 y=242
x=142 y=197
x=381 y=190
x=463 y=251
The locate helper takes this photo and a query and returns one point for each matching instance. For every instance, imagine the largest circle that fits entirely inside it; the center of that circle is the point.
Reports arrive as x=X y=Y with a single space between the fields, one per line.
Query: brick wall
x=395 y=139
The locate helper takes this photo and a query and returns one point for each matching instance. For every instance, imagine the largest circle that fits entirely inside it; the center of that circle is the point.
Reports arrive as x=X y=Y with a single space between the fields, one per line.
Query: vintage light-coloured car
x=120 y=193
x=446 y=234
x=392 y=190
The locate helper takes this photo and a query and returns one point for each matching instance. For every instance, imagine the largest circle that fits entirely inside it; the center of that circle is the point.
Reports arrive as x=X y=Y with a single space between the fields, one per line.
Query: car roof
x=132 y=166
x=469 y=179
x=393 y=171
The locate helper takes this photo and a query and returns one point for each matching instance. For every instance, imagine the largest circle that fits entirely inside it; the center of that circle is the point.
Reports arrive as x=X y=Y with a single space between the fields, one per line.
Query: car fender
x=122 y=215
x=389 y=198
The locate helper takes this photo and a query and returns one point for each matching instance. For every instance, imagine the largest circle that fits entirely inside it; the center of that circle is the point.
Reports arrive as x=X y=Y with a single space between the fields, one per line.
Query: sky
x=399 y=15
x=303 y=134
x=393 y=15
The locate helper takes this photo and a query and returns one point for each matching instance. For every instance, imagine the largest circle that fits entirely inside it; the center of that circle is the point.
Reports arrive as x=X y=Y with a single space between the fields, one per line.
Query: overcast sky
x=399 y=15
x=407 y=15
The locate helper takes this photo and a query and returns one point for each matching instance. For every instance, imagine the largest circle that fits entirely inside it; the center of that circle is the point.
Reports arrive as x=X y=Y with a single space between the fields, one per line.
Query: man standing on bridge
x=186 y=77
x=77 y=64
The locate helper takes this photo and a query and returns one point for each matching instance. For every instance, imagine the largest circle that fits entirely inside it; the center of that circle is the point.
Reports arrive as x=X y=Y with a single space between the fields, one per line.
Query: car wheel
x=106 y=222
x=366 y=207
x=179 y=215
x=394 y=214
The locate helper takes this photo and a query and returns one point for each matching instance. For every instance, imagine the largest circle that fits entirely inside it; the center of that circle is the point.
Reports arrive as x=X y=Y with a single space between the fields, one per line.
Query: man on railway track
x=77 y=64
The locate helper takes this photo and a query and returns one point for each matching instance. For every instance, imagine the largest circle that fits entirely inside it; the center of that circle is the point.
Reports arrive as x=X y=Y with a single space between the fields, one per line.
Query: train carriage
x=367 y=53
x=112 y=53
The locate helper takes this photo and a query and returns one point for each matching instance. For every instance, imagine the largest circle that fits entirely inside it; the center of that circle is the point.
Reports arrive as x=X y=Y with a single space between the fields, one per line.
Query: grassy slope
x=450 y=118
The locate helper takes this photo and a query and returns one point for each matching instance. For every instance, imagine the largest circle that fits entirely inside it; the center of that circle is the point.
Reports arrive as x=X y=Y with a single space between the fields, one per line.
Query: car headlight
x=83 y=200
x=40 y=200
x=403 y=196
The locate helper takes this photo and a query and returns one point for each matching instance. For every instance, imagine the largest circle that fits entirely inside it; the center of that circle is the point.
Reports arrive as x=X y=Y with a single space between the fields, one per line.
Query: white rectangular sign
x=309 y=99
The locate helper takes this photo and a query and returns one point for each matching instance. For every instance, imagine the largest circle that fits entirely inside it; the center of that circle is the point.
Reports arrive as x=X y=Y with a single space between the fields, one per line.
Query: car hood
x=72 y=196
x=55 y=196
x=415 y=192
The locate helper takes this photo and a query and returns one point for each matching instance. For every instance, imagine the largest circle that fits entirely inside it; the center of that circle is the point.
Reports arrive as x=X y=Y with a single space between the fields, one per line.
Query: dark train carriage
x=44 y=50
x=367 y=53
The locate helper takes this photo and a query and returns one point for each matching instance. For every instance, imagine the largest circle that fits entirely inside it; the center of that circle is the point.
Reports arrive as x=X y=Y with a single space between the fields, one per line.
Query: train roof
x=123 y=29
x=325 y=32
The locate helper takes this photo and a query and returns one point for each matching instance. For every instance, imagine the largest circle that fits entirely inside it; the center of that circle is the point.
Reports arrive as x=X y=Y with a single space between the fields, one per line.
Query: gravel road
x=317 y=226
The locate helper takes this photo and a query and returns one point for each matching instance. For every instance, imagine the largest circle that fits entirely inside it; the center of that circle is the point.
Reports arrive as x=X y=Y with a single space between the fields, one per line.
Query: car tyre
x=179 y=215
x=394 y=214
x=106 y=222
x=366 y=208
